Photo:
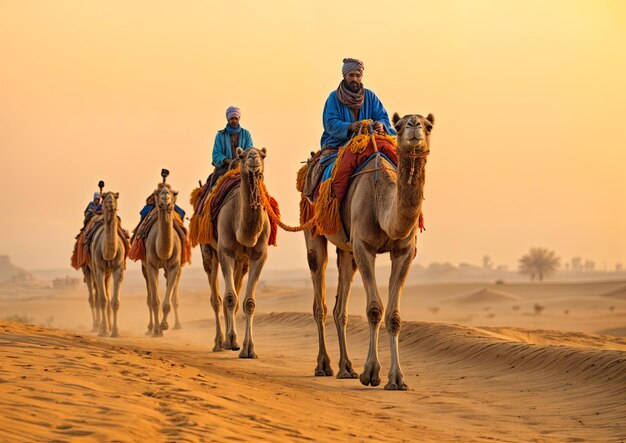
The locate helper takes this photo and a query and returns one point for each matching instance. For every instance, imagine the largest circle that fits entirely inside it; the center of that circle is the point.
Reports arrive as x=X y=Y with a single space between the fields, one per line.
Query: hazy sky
x=530 y=100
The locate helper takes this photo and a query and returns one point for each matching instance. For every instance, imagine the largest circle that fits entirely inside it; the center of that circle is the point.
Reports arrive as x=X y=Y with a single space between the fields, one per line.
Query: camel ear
x=431 y=119
x=116 y=195
x=263 y=152
x=395 y=119
x=239 y=152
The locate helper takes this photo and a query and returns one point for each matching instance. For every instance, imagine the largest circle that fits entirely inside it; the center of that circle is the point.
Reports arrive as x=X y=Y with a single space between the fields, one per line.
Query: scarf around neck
x=230 y=130
x=354 y=100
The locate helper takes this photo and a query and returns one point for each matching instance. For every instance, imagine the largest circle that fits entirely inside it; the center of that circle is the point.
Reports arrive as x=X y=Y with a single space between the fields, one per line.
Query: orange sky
x=528 y=148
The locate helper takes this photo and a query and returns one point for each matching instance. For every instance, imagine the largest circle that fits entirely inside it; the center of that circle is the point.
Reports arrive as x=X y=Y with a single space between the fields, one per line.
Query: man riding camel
x=344 y=110
x=227 y=141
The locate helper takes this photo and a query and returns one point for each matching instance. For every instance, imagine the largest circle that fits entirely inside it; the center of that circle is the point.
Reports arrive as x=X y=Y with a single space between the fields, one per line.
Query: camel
x=95 y=314
x=108 y=259
x=379 y=216
x=243 y=229
x=164 y=249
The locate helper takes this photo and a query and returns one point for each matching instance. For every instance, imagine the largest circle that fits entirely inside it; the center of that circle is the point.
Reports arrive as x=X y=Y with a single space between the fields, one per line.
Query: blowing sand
x=514 y=376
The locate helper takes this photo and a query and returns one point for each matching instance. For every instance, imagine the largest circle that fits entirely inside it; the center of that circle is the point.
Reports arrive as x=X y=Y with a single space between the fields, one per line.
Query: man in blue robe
x=94 y=207
x=227 y=141
x=348 y=105
x=344 y=109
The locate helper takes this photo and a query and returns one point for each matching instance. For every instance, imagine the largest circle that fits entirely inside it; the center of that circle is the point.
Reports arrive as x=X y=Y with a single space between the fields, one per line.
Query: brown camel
x=108 y=258
x=243 y=229
x=379 y=216
x=163 y=250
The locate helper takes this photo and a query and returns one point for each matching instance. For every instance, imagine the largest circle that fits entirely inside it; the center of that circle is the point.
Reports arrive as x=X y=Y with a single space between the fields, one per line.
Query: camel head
x=252 y=161
x=413 y=132
x=109 y=202
x=164 y=197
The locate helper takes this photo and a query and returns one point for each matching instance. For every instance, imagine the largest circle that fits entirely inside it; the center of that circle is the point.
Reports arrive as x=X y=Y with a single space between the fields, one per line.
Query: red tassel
x=273 y=225
x=137 y=250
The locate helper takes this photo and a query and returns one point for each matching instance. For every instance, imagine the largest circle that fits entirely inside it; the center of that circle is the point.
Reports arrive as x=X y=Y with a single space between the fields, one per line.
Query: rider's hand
x=227 y=161
x=378 y=127
x=355 y=126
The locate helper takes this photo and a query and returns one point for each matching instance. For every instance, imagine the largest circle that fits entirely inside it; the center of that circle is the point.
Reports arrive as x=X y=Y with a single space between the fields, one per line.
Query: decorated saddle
x=207 y=201
x=82 y=246
x=138 y=248
x=323 y=202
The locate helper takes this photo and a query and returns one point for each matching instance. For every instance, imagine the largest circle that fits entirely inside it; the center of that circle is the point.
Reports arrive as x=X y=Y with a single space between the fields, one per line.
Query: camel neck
x=251 y=220
x=109 y=250
x=409 y=195
x=164 y=238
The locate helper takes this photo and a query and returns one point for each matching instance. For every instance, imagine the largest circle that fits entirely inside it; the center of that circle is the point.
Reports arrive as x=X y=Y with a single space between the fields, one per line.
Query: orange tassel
x=327 y=210
x=273 y=225
x=301 y=177
x=306 y=210
x=137 y=250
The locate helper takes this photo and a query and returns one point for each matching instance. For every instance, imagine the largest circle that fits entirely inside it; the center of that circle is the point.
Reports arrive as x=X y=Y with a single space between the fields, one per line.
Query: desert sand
x=481 y=364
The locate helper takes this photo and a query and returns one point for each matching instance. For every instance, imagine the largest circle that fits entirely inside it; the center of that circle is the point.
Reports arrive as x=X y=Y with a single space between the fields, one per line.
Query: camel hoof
x=157 y=334
x=345 y=375
x=177 y=326
x=164 y=326
x=395 y=387
x=95 y=328
x=102 y=333
x=231 y=343
x=149 y=331
x=323 y=369
x=218 y=348
x=244 y=354
x=370 y=375
x=115 y=334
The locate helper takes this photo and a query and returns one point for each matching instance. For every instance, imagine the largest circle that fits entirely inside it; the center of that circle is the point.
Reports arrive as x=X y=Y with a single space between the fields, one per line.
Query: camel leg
x=109 y=309
x=400 y=263
x=155 y=303
x=148 y=299
x=257 y=261
x=209 y=261
x=347 y=269
x=365 y=261
x=118 y=275
x=227 y=263
x=95 y=315
x=102 y=302
x=177 y=324
x=317 y=257
x=172 y=274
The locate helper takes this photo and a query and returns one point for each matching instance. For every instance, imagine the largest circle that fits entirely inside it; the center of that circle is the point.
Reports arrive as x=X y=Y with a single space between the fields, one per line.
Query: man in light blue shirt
x=227 y=141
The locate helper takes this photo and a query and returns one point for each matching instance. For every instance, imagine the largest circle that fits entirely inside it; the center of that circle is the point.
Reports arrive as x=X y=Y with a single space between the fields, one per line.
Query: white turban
x=233 y=111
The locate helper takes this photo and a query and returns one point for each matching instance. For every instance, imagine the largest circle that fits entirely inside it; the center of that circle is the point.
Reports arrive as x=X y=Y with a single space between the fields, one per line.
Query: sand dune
x=488 y=295
x=485 y=385
x=617 y=293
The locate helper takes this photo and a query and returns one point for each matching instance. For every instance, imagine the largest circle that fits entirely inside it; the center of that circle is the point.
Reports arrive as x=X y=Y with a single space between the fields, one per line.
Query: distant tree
x=539 y=263
x=590 y=265
x=487 y=263
x=577 y=264
x=619 y=267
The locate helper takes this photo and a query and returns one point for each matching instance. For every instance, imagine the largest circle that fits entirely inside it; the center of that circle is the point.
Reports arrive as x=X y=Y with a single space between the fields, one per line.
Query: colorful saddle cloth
x=82 y=246
x=138 y=248
x=336 y=178
x=208 y=201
